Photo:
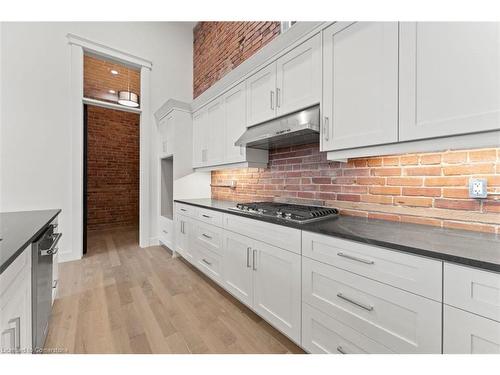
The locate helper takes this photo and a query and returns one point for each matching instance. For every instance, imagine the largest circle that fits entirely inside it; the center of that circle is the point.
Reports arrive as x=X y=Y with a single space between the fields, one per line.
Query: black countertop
x=18 y=230
x=481 y=250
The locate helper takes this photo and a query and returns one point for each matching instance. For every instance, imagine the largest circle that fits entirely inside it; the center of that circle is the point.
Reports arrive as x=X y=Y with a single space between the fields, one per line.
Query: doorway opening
x=111 y=175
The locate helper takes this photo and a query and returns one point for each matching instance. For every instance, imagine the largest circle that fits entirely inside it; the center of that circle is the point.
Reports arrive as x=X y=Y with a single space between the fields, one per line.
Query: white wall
x=35 y=143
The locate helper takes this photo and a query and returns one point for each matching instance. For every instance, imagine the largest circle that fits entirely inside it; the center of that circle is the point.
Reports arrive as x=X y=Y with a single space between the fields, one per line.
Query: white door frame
x=78 y=46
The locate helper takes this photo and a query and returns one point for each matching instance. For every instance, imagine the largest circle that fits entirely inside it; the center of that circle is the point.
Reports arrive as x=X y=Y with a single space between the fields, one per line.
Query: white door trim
x=78 y=46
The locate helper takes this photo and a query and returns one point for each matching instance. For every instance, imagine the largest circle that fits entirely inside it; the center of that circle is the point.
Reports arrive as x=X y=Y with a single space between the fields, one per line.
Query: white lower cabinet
x=15 y=305
x=183 y=229
x=267 y=279
x=323 y=334
x=277 y=288
x=401 y=321
x=467 y=333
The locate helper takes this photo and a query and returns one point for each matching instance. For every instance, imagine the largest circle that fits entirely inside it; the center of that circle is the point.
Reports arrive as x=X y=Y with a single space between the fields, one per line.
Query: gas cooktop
x=288 y=212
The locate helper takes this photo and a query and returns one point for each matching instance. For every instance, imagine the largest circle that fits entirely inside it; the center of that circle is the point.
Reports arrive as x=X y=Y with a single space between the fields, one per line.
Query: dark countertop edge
x=18 y=252
x=388 y=245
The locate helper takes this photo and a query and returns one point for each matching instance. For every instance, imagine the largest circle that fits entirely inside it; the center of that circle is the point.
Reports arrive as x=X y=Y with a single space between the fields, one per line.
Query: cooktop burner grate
x=290 y=212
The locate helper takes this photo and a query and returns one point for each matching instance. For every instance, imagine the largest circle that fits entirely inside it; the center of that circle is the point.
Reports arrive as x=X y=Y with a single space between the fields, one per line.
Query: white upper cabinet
x=200 y=141
x=449 y=78
x=166 y=129
x=261 y=95
x=215 y=132
x=360 y=85
x=298 y=79
x=235 y=122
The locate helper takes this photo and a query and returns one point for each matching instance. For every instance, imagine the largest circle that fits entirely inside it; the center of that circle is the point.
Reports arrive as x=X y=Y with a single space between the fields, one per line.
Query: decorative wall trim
x=105 y=51
x=169 y=106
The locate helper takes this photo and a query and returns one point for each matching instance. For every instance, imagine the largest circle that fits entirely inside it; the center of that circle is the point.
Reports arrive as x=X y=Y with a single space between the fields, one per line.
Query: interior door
x=235 y=122
x=449 y=78
x=298 y=80
x=360 y=97
x=277 y=288
x=215 y=132
x=261 y=95
x=237 y=266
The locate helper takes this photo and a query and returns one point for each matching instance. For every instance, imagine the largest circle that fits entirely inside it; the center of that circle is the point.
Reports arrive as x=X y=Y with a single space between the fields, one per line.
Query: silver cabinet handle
x=206 y=236
x=278 y=97
x=341 y=350
x=12 y=338
x=54 y=284
x=272 y=99
x=17 y=330
x=354 y=302
x=351 y=257
x=206 y=262
x=183 y=209
x=164 y=231
x=326 y=128
x=248 y=256
x=208 y=217
x=254 y=258
x=182 y=227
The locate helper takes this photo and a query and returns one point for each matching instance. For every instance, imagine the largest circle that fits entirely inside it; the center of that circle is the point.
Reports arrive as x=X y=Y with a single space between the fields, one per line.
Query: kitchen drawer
x=412 y=273
x=401 y=321
x=208 y=236
x=324 y=334
x=210 y=216
x=209 y=263
x=22 y=264
x=472 y=290
x=466 y=333
x=185 y=209
x=277 y=235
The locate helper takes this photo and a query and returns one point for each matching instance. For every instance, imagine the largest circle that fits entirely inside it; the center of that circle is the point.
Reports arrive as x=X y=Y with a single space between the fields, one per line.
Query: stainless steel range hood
x=298 y=128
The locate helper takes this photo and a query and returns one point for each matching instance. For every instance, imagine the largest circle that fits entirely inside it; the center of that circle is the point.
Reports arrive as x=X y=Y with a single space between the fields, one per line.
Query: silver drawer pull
x=164 y=231
x=365 y=261
x=54 y=284
x=206 y=262
x=359 y=304
x=207 y=236
x=341 y=350
x=208 y=217
x=183 y=209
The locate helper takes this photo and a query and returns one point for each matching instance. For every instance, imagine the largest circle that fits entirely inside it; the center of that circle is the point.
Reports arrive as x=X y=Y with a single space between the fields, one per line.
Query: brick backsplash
x=219 y=47
x=426 y=188
x=98 y=79
x=113 y=168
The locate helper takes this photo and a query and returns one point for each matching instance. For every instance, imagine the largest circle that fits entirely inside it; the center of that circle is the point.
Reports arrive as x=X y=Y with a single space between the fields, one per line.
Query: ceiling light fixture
x=114 y=72
x=128 y=98
x=112 y=91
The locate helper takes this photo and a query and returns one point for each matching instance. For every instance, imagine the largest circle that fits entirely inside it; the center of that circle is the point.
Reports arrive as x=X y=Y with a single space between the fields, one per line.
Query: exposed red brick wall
x=98 y=79
x=219 y=47
x=428 y=188
x=113 y=168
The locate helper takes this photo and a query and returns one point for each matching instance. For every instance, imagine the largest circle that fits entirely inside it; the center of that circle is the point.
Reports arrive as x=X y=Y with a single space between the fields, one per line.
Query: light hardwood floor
x=124 y=299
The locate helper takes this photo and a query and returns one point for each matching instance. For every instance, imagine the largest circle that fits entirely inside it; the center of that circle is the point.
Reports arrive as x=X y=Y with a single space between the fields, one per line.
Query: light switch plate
x=478 y=188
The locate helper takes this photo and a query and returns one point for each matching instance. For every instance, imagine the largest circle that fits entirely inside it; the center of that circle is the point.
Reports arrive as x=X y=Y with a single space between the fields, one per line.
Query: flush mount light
x=112 y=91
x=114 y=72
x=128 y=98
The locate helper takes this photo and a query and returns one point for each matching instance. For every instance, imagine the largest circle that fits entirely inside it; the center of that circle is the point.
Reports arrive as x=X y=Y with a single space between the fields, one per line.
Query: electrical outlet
x=478 y=188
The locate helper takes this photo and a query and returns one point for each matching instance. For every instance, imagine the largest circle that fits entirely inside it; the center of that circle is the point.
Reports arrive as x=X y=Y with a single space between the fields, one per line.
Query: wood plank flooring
x=124 y=299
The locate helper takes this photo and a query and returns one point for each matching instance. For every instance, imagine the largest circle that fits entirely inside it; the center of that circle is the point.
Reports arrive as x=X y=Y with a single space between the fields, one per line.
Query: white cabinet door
x=235 y=122
x=449 y=78
x=466 y=333
x=360 y=85
x=183 y=229
x=261 y=100
x=15 y=315
x=237 y=266
x=166 y=127
x=298 y=83
x=215 y=132
x=200 y=141
x=277 y=288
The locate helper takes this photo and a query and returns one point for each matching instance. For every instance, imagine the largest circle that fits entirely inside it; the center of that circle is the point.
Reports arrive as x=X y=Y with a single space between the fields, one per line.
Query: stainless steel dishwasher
x=43 y=251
